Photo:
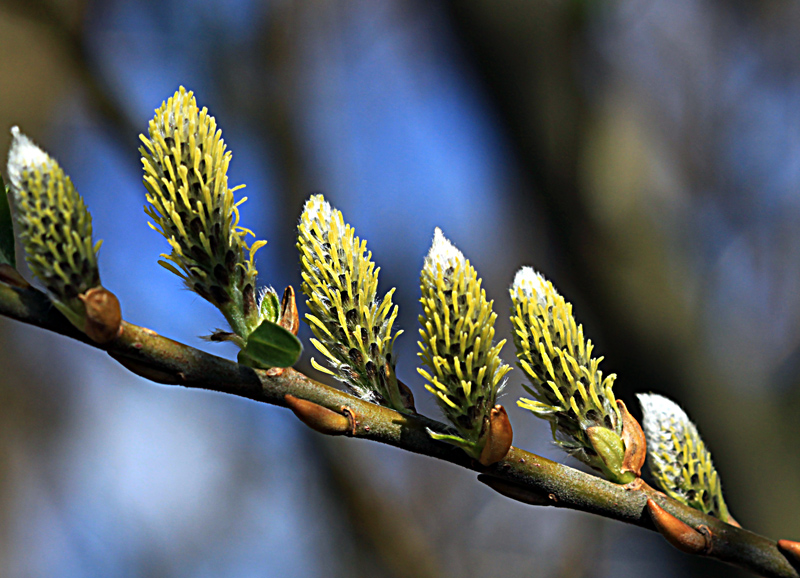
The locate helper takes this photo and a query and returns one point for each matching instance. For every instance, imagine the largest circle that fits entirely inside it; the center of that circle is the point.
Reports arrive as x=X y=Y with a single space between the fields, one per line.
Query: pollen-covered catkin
x=567 y=386
x=351 y=325
x=185 y=172
x=462 y=363
x=55 y=227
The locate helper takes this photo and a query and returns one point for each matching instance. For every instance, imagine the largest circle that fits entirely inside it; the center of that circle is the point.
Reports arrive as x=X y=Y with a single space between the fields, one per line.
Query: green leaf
x=611 y=450
x=270 y=345
x=470 y=447
x=7 y=255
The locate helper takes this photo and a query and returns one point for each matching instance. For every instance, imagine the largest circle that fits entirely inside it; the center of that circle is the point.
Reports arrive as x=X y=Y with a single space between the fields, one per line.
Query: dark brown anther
x=221 y=274
x=103 y=315
x=289 y=318
x=11 y=276
x=318 y=418
x=355 y=356
x=678 y=533
x=218 y=295
x=498 y=437
x=514 y=491
x=634 y=440
x=791 y=550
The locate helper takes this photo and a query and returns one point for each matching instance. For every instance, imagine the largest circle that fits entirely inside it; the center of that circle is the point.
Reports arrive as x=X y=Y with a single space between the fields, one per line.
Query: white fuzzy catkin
x=677 y=457
x=24 y=155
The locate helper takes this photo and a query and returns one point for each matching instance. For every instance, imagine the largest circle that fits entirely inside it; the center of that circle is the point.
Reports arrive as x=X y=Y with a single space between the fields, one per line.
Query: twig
x=521 y=475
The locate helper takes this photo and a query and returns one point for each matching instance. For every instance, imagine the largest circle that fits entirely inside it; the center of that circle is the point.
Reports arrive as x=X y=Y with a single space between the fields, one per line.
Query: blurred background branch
x=63 y=23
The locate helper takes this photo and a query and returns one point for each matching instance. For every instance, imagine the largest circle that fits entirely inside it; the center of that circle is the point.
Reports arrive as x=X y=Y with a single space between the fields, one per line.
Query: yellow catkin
x=340 y=282
x=565 y=382
x=185 y=165
x=55 y=228
x=456 y=345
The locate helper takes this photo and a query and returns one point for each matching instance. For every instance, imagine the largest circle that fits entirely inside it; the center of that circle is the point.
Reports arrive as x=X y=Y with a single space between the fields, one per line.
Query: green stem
x=233 y=312
x=540 y=480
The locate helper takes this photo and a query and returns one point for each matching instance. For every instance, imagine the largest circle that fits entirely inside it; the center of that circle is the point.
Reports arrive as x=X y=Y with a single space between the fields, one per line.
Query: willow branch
x=521 y=475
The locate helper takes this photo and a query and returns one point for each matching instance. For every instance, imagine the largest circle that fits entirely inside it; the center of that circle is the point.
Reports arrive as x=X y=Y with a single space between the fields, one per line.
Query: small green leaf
x=611 y=449
x=7 y=255
x=270 y=306
x=470 y=447
x=270 y=345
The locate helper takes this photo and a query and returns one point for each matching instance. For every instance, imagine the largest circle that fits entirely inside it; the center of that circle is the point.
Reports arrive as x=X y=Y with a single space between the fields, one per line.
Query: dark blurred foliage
x=643 y=154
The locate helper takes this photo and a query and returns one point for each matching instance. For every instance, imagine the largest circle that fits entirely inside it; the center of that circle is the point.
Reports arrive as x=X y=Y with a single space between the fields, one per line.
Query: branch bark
x=521 y=475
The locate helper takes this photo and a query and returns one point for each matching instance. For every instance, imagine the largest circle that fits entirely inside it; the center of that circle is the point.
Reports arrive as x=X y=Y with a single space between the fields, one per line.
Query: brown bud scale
x=635 y=442
x=289 y=318
x=499 y=437
x=103 y=315
x=318 y=418
x=791 y=550
x=676 y=532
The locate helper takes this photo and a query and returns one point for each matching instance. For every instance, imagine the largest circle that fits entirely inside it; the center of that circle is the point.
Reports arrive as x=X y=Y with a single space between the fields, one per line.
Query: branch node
x=351 y=419
x=636 y=485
